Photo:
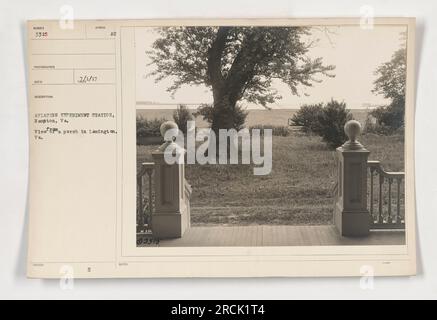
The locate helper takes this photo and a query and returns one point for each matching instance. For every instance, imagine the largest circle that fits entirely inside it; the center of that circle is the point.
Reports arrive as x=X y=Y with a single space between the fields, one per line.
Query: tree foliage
x=392 y=76
x=181 y=116
x=236 y=63
x=391 y=83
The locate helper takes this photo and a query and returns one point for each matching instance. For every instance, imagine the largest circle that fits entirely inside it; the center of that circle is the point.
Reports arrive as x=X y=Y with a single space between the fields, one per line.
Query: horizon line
x=171 y=106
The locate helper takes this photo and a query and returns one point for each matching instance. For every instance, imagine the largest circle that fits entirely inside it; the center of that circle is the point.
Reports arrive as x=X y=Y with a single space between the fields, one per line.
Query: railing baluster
x=389 y=219
x=146 y=172
x=371 y=194
x=149 y=173
x=143 y=203
x=398 y=204
x=140 y=201
x=381 y=181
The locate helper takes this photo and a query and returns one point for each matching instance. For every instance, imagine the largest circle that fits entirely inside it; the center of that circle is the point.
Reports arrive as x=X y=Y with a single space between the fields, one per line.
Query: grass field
x=298 y=190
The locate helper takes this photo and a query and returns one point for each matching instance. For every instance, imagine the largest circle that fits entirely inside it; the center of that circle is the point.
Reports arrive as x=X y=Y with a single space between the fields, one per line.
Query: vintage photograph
x=270 y=136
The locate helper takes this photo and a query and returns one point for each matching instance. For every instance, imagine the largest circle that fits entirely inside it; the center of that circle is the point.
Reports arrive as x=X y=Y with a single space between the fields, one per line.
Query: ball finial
x=172 y=128
x=352 y=128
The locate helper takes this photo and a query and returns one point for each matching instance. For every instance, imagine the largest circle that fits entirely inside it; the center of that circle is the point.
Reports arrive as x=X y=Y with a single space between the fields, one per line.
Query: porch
x=368 y=208
x=275 y=235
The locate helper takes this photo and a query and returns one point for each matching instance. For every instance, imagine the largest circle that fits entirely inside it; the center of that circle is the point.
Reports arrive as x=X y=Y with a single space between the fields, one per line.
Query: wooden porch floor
x=267 y=235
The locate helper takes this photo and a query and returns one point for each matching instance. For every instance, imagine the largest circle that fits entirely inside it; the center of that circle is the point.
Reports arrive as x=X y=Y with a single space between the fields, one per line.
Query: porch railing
x=366 y=196
x=386 y=208
x=145 y=197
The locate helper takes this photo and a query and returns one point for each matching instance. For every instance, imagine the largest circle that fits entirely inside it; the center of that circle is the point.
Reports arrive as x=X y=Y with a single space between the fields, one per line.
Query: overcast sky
x=355 y=52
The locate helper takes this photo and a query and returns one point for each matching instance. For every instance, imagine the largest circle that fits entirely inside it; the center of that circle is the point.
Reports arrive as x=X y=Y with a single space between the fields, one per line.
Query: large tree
x=236 y=63
x=391 y=83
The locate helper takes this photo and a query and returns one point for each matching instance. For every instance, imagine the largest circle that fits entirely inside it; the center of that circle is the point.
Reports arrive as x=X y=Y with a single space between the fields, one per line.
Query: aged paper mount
x=87 y=86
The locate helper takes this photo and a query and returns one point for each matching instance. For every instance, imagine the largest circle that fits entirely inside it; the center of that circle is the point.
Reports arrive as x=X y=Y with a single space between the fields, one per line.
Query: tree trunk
x=225 y=93
x=226 y=90
x=223 y=118
x=224 y=112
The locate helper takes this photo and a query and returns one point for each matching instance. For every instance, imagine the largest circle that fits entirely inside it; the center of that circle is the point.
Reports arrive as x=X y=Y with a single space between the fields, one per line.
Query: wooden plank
x=282 y=232
x=223 y=235
x=259 y=240
x=333 y=235
x=253 y=236
x=247 y=230
x=234 y=241
x=305 y=236
x=266 y=236
x=278 y=236
x=318 y=236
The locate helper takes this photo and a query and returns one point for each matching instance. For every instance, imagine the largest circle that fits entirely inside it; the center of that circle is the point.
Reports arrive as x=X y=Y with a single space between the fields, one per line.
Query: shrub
x=307 y=117
x=181 y=115
x=205 y=110
x=387 y=119
x=325 y=120
x=373 y=126
x=281 y=131
x=331 y=123
x=149 y=128
x=215 y=116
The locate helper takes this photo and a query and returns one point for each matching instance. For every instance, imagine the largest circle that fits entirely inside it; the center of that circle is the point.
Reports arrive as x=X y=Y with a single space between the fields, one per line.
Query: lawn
x=298 y=190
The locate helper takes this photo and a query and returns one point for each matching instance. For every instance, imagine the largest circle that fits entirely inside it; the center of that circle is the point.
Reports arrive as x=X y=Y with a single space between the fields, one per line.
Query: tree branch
x=215 y=55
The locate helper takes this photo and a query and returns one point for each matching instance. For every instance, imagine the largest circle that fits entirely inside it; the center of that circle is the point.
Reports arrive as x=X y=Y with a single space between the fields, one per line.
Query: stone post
x=171 y=215
x=351 y=216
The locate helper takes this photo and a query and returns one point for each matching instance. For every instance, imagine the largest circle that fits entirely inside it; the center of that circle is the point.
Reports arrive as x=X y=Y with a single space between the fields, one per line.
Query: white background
x=14 y=153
